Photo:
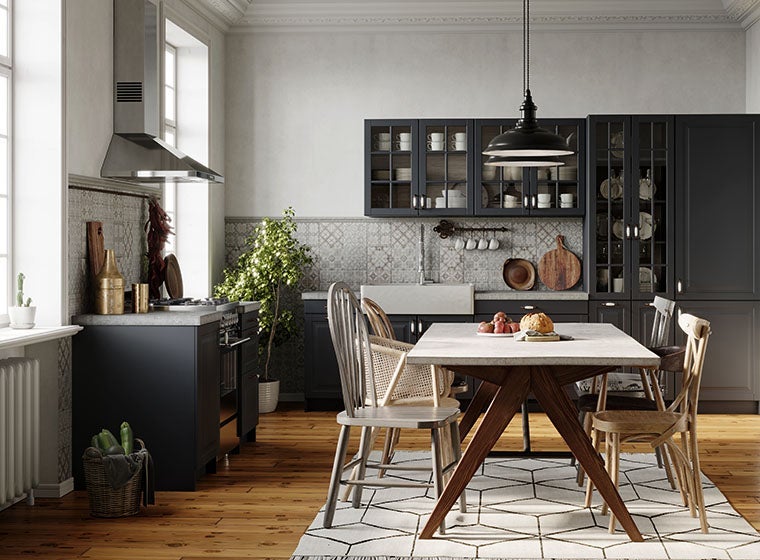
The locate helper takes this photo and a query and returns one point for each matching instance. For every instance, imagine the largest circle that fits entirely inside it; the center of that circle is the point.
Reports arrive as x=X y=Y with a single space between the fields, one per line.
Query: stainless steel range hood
x=136 y=153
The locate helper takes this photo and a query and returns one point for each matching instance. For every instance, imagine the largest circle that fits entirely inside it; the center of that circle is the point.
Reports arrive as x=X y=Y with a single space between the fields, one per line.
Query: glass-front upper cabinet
x=631 y=206
x=389 y=164
x=445 y=171
x=517 y=191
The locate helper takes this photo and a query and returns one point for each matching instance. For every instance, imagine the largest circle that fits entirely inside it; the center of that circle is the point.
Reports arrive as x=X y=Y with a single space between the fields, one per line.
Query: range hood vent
x=136 y=153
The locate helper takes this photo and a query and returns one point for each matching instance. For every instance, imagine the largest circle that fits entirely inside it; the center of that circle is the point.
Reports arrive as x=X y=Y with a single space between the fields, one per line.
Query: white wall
x=753 y=68
x=296 y=101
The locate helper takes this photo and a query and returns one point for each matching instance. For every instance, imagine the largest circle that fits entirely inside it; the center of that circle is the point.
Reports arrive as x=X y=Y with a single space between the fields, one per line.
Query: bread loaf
x=539 y=322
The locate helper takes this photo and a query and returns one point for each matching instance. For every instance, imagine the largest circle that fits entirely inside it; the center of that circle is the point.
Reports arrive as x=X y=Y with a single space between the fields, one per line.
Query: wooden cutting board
x=95 y=247
x=172 y=277
x=559 y=269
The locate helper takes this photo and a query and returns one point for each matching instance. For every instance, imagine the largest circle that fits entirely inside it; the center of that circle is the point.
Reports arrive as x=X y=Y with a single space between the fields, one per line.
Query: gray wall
x=296 y=100
x=753 y=69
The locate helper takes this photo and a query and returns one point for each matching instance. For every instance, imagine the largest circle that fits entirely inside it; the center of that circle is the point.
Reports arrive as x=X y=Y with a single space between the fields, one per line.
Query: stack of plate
x=566 y=173
x=566 y=204
x=403 y=173
x=381 y=174
x=454 y=202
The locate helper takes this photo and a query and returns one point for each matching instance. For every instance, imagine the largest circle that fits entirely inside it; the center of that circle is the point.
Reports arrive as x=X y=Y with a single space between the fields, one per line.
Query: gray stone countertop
x=191 y=318
x=505 y=295
x=248 y=306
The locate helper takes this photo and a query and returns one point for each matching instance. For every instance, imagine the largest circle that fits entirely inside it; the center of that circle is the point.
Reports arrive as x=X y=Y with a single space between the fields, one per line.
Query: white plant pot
x=22 y=317
x=269 y=394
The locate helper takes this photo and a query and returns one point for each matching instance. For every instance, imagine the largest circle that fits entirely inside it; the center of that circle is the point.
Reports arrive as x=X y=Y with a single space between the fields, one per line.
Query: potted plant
x=273 y=261
x=22 y=314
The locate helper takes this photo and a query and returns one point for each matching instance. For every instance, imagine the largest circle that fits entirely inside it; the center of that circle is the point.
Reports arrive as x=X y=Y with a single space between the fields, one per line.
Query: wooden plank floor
x=259 y=505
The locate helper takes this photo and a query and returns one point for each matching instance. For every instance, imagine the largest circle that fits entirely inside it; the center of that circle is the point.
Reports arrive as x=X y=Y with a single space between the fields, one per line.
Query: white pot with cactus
x=22 y=314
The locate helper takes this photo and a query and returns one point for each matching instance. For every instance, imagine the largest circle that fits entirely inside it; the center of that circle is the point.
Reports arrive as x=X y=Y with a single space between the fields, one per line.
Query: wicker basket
x=104 y=500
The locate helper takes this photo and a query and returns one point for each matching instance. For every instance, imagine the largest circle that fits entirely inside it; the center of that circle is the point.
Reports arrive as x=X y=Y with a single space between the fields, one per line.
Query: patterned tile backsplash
x=372 y=251
x=380 y=251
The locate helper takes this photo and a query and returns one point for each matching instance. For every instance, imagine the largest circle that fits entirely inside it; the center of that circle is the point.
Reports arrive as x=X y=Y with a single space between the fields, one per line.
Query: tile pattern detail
x=64 y=408
x=381 y=251
x=124 y=217
x=532 y=508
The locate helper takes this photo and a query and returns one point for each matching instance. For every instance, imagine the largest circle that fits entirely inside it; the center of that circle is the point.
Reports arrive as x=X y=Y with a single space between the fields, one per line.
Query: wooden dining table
x=512 y=369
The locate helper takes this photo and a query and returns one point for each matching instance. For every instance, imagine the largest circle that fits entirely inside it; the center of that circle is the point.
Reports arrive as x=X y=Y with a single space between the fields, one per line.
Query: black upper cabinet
x=718 y=195
x=389 y=168
x=631 y=207
x=515 y=191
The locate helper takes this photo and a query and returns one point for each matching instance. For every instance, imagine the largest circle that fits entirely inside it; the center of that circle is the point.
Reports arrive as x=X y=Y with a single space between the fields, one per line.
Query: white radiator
x=19 y=429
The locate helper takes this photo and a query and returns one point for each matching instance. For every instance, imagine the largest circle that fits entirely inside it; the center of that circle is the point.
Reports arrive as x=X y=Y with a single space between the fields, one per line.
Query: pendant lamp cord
x=526 y=46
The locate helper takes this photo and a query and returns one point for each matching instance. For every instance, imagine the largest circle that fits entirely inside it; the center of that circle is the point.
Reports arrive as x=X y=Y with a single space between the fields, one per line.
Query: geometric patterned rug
x=523 y=508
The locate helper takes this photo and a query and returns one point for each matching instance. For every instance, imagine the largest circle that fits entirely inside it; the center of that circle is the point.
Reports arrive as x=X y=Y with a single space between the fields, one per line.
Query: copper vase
x=109 y=287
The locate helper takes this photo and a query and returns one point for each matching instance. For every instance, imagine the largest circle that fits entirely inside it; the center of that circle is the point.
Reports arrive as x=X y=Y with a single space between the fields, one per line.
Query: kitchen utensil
x=95 y=247
x=172 y=277
x=646 y=187
x=617 y=229
x=617 y=141
x=611 y=188
x=559 y=269
x=646 y=225
x=519 y=274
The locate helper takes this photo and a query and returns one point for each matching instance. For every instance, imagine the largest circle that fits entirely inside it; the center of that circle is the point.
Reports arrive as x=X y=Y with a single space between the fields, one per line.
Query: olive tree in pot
x=272 y=262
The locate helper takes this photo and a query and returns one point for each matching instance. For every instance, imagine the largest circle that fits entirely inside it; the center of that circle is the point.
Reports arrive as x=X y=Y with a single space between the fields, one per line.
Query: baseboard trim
x=54 y=490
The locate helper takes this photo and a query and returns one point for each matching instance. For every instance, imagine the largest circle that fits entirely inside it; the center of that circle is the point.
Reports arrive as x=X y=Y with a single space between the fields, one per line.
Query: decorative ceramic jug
x=109 y=288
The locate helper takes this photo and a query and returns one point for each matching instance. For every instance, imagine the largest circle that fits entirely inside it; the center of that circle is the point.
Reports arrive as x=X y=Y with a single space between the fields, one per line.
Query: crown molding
x=221 y=13
x=747 y=12
x=483 y=15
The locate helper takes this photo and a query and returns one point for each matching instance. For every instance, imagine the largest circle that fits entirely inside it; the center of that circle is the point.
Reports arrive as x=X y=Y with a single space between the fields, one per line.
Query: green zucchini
x=95 y=442
x=107 y=439
x=127 y=439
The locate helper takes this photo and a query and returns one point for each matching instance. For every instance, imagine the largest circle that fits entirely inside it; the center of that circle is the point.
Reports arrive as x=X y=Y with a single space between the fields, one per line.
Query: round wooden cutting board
x=172 y=277
x=559 y=269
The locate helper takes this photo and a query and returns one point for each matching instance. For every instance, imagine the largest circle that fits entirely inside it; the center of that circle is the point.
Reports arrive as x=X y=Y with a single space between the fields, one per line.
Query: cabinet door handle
x=609 y=304
x=423 y=203
x=533 y=201
x=635 y=232
x=650 y=304
x=528 y=307
x=627 y=232
x=419 y=327
x=414 y=202
x=679 y=287
x=412 y=326
x=525 y=201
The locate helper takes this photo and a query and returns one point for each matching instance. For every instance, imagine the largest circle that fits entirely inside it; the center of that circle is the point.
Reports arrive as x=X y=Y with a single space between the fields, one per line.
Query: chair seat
x=638 y=421
x=444 y=402
x=589 y=403
x=420 y=417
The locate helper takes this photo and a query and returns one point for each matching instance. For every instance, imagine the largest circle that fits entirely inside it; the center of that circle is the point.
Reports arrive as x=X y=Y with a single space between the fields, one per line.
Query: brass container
x=139 y=298
x=109 y=288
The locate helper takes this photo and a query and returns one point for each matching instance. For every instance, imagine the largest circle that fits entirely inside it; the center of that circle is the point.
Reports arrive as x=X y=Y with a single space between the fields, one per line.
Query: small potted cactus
x=22 y=314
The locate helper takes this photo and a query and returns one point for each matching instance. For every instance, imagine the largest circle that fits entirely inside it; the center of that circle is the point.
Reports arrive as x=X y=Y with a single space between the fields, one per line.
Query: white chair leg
x=332 y=492
x=365 y=446
x=435 y=448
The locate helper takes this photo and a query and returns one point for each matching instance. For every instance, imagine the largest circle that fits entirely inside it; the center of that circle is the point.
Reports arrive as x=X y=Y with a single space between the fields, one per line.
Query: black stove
x=189 y=304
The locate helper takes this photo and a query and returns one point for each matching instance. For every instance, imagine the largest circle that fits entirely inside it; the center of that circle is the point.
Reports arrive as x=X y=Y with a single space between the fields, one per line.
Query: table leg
x=509 y=397
x=484 y=394
x=560 y=410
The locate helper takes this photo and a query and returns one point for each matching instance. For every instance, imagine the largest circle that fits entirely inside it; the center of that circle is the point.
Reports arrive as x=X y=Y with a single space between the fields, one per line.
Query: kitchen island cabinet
x=161 y=378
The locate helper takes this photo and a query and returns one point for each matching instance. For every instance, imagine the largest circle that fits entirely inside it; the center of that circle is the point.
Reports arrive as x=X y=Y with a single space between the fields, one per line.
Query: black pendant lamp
x=527 y=145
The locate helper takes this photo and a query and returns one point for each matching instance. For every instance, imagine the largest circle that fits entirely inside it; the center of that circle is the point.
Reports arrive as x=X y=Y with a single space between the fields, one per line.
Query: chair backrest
x=661 y=325
x=697 y=332
x=350 y=339
x=378 y=320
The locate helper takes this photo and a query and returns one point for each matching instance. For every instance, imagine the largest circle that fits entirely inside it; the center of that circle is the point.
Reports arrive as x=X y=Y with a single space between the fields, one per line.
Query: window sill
x=11 y=338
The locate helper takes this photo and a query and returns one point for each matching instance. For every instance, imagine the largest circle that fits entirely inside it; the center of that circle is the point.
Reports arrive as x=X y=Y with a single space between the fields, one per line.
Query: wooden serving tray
x=542 y=338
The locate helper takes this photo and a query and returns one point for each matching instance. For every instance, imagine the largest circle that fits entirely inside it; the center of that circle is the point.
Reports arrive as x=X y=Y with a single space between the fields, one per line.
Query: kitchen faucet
x=421 y=257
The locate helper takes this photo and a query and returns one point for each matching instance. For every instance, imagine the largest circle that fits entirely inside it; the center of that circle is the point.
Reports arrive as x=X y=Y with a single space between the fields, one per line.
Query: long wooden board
x=95 y=247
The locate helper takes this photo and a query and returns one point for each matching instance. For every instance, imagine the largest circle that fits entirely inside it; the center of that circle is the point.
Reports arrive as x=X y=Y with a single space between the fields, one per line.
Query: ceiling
x=269 y=15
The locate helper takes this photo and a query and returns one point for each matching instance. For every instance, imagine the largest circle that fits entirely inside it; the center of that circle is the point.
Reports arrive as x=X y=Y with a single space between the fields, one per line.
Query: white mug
x=436 y=137
x=404 y=137
x=544 y=197
x=483 y=244
x=459 y=244
x=493 y=244
x=382 y=145
x=382 y=137
x=403 y=145
x=459 y=137
x=471 y=244
x=617 y=284
x=567 y=198
x=435 y=146
x=459 y=146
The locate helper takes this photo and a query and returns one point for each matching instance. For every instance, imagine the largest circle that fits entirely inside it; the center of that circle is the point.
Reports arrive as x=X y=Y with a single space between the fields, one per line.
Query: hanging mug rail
x=446 y=229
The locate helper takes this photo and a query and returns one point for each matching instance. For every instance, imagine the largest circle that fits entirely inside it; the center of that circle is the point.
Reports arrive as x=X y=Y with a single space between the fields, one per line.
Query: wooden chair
x=354 y=352
x=646 y=383
x=659 y=426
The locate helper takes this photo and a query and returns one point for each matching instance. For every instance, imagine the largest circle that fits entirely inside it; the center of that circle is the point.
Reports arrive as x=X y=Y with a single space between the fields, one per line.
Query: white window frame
x=170 y=189
x=6 y=69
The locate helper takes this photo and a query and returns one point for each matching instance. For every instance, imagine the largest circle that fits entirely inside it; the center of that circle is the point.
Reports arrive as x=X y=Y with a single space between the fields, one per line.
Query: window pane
x=3 y=166
x=169 y=105
x=3 y=285
x=3 y=30
x=4 y=105
x=3 y=226
x=169 y=71
x=170 y=136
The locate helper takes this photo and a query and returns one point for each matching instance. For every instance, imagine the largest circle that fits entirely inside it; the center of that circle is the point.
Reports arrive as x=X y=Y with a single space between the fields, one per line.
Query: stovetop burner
x=219 y=304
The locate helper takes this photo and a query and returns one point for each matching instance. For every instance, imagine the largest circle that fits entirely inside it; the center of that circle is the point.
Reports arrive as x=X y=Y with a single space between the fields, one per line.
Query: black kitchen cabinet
x=560 y=311
x=390 y=168
x=718 y=207
x=163 y=380
x=248 y=400
x=322 y=383
x=629 y=230
x=513 y=191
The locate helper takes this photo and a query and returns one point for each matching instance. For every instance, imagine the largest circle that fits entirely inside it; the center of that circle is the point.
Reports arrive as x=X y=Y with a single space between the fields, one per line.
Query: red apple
x=499 y=327
x=513 y=327
x=500 y=316
x=485 y=327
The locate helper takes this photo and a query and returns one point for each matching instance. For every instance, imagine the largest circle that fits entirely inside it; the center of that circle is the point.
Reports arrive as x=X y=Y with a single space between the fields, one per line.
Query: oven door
x=228 y=394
